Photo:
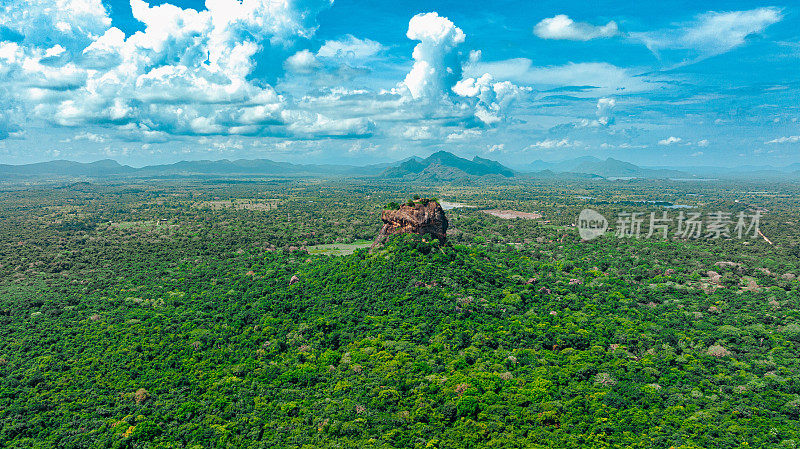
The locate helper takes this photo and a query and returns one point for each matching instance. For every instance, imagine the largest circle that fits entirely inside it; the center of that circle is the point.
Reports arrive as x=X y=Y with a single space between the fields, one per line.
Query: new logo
x=591 y=224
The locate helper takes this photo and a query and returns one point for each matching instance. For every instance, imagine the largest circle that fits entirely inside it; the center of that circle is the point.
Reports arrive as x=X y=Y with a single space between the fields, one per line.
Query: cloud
x=670 y=141
x=91 y=137
x=436 y=63
x=226 y=145
x=491 y=98
x=418 y=133
x=549 y=144
x=437 y=74
x=54 y=51
x=9 y=115
x=598 y=77
x=336 y=57
x=302 y=62
x=193 y=73
x=362 y=148
x=702 y=143
x=70 y=23
x=605 y=111
x=350 y=48
x=462 y=135
x=712 y=33
x=310 y=124
x=7 y=128
x=787 y=139
x=495 y=148
x=562 y=27
x=187 y=72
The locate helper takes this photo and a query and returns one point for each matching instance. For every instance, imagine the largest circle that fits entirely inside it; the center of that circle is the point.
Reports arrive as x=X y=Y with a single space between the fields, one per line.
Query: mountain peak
x=443 y=165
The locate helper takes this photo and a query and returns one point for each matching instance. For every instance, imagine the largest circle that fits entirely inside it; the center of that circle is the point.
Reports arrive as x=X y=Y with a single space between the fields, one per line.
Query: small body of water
x=511 y=214
x=446 y=205
x=664 y=204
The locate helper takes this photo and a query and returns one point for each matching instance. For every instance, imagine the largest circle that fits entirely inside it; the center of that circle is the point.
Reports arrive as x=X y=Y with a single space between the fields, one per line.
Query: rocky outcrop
x=424 y=217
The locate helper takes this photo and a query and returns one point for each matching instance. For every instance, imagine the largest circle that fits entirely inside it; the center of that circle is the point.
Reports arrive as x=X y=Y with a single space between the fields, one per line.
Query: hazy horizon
x=521 y=166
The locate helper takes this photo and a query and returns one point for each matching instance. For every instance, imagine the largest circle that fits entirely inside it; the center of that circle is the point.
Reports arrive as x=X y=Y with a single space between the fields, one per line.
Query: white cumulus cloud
x=200 y=73
x=91 y=137
x=418 y=133
x=437 y=74
x=186 y=72
x=605 y=111
x=548 y=144
x=302 y=62
x=436 y=64
x=671 y=140
x=495 y=148
x=491 y=98
x=466 y=134
x=350 y=48
x=69 y=23
x=562 y=27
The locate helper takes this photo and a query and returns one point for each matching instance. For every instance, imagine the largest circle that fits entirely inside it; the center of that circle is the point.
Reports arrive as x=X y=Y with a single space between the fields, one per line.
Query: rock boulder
x=424 y=217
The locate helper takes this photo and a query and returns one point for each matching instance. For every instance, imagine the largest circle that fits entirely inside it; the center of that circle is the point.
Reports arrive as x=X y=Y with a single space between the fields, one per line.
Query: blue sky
x=672 y=83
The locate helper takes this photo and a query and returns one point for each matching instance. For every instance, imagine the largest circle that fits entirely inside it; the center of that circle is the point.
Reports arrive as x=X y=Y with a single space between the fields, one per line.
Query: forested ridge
x=199 y=339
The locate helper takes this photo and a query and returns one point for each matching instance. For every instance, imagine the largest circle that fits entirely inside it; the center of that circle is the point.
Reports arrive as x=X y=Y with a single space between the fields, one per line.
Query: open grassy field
x=338 y=249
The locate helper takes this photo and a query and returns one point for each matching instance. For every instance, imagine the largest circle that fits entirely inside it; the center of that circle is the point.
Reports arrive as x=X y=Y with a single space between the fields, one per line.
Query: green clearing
x=339 y=249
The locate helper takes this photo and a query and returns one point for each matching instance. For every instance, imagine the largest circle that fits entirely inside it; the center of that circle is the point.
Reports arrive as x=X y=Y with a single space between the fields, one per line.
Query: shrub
x=140 y=396
x=718 y=351
x=605 y=379
x=792 y=331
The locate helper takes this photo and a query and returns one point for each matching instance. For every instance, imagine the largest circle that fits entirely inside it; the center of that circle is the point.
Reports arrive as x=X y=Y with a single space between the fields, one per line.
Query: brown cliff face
x=418 y=219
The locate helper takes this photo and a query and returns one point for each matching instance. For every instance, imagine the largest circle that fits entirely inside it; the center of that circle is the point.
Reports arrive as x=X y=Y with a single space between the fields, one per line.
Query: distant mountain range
x=110 y=168
x=104 y=167
x=446 y=166
x=441 y=166
x=613 y=168
x=609 y=168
